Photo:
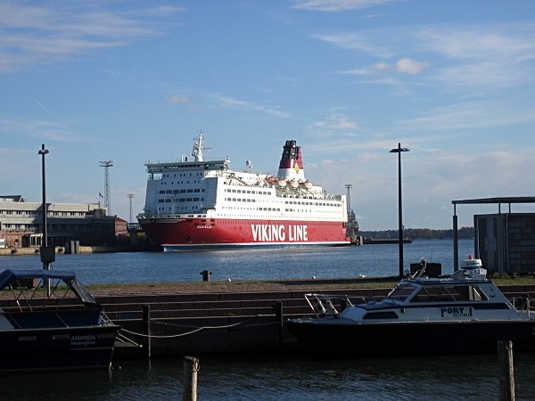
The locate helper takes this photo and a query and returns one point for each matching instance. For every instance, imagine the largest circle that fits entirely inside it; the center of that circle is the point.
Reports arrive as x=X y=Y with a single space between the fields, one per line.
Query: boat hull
x=176 y=234
x=411 y=338
x=57 y=349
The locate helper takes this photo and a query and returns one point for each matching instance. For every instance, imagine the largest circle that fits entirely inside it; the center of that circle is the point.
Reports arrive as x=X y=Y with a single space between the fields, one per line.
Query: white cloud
x=177 y=99
x=486 y=56
x=492 y=42
x=410 y=66
x=336 y=124
x=41 y=129
x=405 y=65
x=357 y=41
x=338 y=5
x=468 y=115
x=42 y=33
x=240 y=104
x=464 y=58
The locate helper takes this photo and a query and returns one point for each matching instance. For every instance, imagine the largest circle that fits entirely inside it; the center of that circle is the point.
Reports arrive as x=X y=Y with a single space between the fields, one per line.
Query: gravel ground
x=237 y=286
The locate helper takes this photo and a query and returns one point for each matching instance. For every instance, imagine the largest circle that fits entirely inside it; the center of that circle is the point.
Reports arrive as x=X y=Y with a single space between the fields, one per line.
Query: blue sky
x=132 y=81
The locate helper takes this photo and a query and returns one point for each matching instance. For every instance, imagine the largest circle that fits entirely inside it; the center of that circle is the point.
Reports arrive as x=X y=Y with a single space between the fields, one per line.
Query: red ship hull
x=175 y=234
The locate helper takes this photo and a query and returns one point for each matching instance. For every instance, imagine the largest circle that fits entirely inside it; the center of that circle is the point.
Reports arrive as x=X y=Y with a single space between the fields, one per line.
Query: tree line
x=421 y=233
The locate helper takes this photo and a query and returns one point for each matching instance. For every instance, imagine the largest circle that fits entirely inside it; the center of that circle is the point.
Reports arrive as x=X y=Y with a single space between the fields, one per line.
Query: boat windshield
x=401 y=292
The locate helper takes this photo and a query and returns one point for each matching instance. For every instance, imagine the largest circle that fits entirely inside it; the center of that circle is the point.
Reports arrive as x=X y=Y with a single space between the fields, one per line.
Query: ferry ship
x=199 y=203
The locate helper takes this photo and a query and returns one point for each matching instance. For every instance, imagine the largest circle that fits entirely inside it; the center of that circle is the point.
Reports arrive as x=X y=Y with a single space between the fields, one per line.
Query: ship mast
x=198 y=147
x=352 y=223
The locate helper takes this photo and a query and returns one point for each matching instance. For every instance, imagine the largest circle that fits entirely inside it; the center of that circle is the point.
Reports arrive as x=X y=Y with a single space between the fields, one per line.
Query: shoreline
x=59 y=250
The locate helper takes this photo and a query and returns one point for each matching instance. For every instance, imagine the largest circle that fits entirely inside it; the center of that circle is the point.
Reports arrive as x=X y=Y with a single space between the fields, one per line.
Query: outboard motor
x=474 y=268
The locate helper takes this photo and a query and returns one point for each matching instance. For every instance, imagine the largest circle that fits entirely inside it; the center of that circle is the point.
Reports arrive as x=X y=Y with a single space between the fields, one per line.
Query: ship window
x=182 y=200
x=450 y=294
x=161 y=192
x=195 y=199
x=381 y=315
x=182 y=191
x=168 y=200
x=188 y=199
x=190 y=191
x=196 y=190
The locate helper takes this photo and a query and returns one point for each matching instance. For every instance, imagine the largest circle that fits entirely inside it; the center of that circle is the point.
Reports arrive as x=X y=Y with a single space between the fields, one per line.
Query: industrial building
x=21 y=224
x=505 y=241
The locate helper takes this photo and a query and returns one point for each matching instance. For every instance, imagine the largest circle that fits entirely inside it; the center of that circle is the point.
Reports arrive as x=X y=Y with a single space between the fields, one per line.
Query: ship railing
x=179 y=161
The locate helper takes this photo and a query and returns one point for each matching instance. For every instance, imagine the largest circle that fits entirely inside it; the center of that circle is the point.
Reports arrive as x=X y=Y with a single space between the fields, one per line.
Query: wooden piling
x=146 y=320
x=191 y=367
x=279 y=316
x=507 y=371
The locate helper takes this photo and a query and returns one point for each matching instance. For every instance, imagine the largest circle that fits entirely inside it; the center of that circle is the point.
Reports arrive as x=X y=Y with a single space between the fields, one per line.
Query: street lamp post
x=47 y=254
x=44 y=242
x=399 y=150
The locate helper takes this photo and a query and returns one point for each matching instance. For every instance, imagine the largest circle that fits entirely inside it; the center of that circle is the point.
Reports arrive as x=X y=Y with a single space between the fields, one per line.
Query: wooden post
x=507 y=371
x=279 y=317
x=146 y=320
x=191 y=367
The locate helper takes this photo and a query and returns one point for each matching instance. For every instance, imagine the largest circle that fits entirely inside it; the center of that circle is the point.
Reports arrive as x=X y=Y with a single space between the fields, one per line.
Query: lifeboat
x=293 y=183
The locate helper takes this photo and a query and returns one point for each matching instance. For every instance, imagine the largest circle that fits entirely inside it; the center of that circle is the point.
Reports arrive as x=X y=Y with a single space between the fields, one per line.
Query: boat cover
x=69 y=278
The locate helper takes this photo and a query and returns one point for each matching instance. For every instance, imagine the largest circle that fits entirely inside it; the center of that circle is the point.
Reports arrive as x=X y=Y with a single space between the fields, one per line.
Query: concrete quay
x=226 y=322
x=25 y=251
x=227 y=318
x=211 y=323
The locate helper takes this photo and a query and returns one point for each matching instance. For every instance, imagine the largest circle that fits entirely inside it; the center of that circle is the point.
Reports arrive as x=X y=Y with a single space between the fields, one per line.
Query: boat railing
x=26 y=298
x=324 y=304
x=522 y=304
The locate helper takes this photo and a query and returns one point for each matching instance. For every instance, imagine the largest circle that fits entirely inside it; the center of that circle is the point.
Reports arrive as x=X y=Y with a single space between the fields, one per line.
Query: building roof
x=12 y=198
x=509 y=200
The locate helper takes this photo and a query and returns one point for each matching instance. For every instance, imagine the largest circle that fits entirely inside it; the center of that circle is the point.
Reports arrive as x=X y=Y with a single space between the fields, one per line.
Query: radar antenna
x=198 y=147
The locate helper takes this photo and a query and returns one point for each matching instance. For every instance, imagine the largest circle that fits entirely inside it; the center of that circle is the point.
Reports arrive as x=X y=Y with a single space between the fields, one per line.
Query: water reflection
x=473 y=377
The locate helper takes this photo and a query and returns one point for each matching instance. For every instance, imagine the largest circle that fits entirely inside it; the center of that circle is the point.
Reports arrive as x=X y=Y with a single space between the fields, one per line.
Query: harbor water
x=377 y=260
x=261 y=377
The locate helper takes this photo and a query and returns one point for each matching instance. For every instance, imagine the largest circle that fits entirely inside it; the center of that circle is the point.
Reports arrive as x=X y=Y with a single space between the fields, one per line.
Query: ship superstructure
x=197 y=202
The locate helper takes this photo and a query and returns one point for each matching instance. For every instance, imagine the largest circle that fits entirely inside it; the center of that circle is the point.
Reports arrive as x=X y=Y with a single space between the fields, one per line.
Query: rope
x=183 y=334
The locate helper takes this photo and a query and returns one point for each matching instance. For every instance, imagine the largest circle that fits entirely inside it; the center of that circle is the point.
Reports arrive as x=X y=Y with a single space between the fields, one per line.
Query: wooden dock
x=230 y=322
x=217 y=318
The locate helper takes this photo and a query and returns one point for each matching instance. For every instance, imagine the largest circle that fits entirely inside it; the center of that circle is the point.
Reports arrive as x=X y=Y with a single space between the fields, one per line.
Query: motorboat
x=465 y=312
x=51 y=322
